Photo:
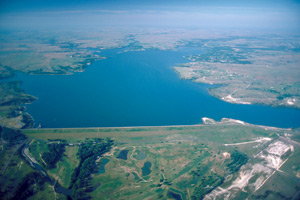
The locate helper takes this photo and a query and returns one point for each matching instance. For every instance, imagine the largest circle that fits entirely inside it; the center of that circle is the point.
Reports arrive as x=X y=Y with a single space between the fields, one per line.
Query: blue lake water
x=146 y=169
x=137 y=89
x=104 y=161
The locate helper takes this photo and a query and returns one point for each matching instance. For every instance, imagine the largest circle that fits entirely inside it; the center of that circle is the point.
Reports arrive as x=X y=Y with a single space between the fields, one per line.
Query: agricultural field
x=37 y=52
x=216 y=160
x=255 y=70
x=64 y=52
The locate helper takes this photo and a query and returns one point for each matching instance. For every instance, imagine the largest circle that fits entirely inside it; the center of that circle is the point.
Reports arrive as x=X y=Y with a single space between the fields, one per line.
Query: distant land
x=247 y=68
x=166 y=100
x=214 y=160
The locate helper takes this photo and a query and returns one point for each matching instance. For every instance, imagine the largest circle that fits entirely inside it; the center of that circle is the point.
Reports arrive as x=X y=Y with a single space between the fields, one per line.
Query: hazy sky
x=254 y=14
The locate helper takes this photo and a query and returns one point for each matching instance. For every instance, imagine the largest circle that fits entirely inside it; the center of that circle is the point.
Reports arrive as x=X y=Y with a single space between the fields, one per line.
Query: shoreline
x=223 y=121
x=284 y=103
x=228 y=99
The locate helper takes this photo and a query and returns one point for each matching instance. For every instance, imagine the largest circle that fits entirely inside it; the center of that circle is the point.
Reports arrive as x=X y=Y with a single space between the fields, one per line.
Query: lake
x=137 y=89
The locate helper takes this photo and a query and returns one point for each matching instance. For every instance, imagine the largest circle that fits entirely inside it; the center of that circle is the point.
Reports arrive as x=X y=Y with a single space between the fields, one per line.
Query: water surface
x=146 y=169
x=104 y=161
x=137 y=89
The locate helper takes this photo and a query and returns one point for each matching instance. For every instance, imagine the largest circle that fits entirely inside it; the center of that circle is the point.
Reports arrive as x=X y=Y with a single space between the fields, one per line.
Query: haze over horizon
x=251 y=15
x=149 y=99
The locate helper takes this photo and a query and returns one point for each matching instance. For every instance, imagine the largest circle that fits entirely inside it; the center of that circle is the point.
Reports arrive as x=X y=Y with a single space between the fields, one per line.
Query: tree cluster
x=54 y=154
x=207 y=184
x=29 y=185
x=12 y=135
x=237 y=160
x=88 y=153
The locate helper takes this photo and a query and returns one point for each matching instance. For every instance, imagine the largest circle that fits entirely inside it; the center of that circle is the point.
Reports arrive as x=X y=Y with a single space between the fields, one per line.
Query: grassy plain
x=151 y=134
x=256 y=70
x=65 y=167
x=187 y=162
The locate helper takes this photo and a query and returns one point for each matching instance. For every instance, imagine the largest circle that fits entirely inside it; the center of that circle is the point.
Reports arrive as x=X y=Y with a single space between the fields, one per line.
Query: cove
x=137 y=88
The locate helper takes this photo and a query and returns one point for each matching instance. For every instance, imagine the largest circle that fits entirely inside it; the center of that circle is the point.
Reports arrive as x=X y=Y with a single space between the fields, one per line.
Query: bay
x=137 y=88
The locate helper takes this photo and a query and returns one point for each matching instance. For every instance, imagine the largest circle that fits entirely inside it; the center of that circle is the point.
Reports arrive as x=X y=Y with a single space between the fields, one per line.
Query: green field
x=208 y=161
x=259 y=70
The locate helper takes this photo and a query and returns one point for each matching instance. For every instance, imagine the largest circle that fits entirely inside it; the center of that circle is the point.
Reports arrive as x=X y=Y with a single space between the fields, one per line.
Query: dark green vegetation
x=88 y=153
x=189 y=162
x=11 y=135
x=17 y=179
x=237 y=160
x=30 y=184
x=53 y=154
x=54 y=157
x=212 y=180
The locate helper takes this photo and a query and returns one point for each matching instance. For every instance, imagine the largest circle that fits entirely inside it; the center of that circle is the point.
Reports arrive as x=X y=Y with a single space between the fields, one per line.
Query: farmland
x=256 y=70
x=213 y=160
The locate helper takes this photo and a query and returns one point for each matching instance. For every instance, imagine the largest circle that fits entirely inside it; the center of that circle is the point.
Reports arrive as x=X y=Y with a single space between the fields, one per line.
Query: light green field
x=218 y=133
x=210 y=161
x=65 y=167
x=187 y=162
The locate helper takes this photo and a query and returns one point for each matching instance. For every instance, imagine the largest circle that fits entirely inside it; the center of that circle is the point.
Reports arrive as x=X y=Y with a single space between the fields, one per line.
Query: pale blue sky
x=254 y=14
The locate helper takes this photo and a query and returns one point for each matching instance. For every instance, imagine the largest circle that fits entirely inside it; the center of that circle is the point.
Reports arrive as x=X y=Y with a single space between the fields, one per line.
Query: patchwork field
x=258 y=70
x=216 y=160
